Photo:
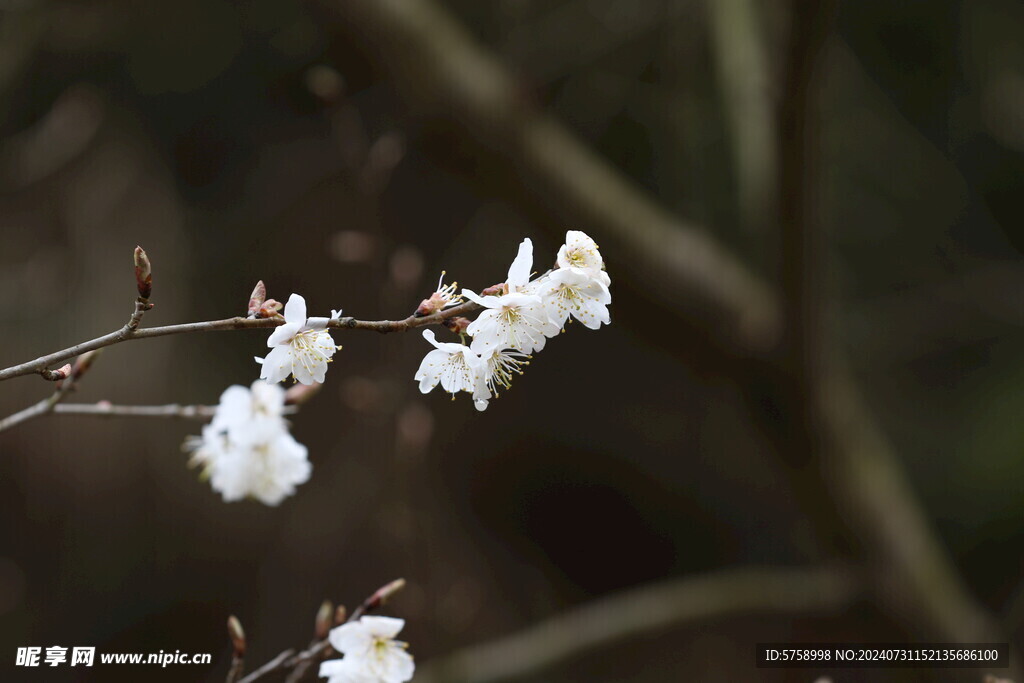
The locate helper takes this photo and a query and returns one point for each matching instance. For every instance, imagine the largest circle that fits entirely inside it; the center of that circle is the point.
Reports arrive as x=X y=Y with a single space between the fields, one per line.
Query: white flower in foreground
x=499 y=367
x=246 y=450
x=300 y=347
x=572 y=292
x=516 y=319
x=345 y=671
x=371 y=652
x=452 y=365
x=581 y=253
x=261 y=405
x=266 y=467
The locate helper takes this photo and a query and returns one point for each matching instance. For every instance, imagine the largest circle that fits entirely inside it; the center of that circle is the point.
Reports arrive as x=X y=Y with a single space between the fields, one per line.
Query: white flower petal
x=283 y=334
x=295 y=310
x=519 y=271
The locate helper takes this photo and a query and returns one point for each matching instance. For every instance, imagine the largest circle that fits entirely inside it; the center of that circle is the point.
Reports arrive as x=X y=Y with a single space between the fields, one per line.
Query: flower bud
x=458 y=324
x=84 y=362
x=256 y=299
x=237 y=635
x=384 y=593
x=297 y=394
x=340 y=615
x=495 y=290
x=270 y=308
x=324 y=620
x=430 y=306
x=143 y=273
x=61 y=373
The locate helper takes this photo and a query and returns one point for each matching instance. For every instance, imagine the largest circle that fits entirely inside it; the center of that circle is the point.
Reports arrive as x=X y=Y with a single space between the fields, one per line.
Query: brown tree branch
x=130 y=332
x=290 y=659
x=174 y=410
x=640 y=611
x=443 y=73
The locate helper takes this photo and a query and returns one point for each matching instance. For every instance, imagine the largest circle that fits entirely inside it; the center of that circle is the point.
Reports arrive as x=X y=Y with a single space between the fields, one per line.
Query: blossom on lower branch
x=246 y=451
x=371 y=653
x=301 y=347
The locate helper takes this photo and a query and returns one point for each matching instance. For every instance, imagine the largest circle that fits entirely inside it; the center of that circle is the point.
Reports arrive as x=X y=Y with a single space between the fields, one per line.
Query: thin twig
x=289 y=659
x=192 y=412
x=649 y=609
x=128 y=333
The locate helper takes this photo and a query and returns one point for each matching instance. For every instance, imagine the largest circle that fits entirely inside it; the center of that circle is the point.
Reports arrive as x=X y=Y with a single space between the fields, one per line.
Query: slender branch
x=641 y=611
x=103 y=409
x=289 y=659
x=39 y=409
x=131 y=331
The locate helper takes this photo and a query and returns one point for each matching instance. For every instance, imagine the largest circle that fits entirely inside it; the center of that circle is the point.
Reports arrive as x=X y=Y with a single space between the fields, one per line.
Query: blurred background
x=313 y=146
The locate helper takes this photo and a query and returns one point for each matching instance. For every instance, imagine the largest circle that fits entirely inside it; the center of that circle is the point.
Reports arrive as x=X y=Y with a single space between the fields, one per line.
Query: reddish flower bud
x=237 y=635
x=458 y=324
x=297 y=394
x=143 y=273
x=384 y=593
x=269 y=309
x=430 y=306
x=61 y=373
x=84 y=362
x=256 y=299
x=324 y=620
x=495 y=290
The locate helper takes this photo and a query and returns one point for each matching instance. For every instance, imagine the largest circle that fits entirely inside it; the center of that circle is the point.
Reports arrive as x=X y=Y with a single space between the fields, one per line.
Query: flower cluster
x=518 y=319
x=371 y=653
x=246 y=451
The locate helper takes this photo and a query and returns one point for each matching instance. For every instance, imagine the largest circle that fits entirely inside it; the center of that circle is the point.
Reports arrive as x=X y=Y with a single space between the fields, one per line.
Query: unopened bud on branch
x=340 y=615
x=237 y=635
x=256 y=299
x=495 y=290
x=458 y=324
x=269 y=309
x=84 y=362
x=324 y=620
x=297 y=394
x=61 y=373
x=430 y=306
x=384 y=593
x=143 y=273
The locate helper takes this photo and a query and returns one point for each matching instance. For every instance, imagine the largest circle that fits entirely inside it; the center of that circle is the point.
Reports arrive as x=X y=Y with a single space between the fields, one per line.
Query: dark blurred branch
x=128 y=333
x=803 y=249
x=443 y=73
x=644 y=611
x=742 y=66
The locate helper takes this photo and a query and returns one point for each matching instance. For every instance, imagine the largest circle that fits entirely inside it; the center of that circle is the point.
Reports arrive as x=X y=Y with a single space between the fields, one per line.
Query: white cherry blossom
x=516 y=319
x=246 y=450
x=499 y=367
x=300 y=347
x=265 y=466
x=580 y=252
x=345 y=671
x=370 y=650
x=453 y=365
x=573 y=292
